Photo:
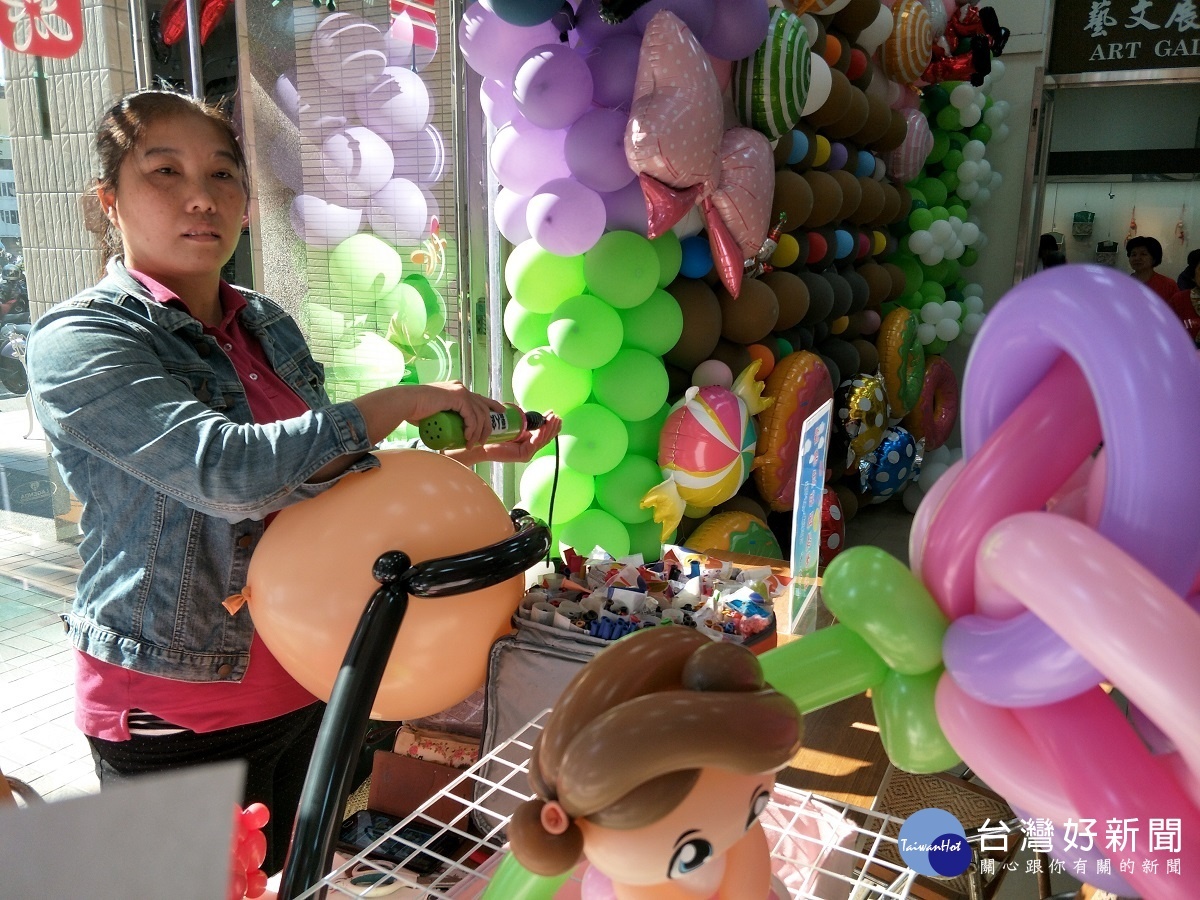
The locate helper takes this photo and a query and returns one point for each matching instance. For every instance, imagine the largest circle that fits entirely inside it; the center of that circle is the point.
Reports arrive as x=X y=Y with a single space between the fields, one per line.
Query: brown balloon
x=743 y=503
x=820 y=298
x=848 y=499
x=899 y=282
x=736 y=356
x=851 y=194
x=860 y=291
x=879 y=117
x=834 y=106
x=792 y=294
x=783 y=149
x=891 y=205
x=868 y=354
x=751 y=315
x=827 y=198
x=905 y=204
x=793 y=197
x=701 y=323
x=853 y=116
x=897 y=130
x=855 y=16
x=842 y=63
x=879 y=282
x=872 y=201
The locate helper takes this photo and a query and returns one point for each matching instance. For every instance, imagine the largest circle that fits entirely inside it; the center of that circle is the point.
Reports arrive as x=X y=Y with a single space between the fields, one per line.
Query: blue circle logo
x=932 y=842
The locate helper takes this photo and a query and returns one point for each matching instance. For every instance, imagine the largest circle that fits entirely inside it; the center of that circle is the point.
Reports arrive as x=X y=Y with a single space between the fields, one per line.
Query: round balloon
x=311 y=577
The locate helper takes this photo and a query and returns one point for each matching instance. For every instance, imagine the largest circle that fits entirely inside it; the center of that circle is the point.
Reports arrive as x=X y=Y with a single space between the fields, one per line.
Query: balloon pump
x=444 y=430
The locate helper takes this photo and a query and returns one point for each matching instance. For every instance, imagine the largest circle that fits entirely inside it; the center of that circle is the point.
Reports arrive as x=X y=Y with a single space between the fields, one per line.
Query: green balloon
x=920 y=219
x=525 y=330
x=939 y=213
x=887 y=307
x=950 y=179
x=919 y=200
x=936 y=97
x=937 y=345
x=879 y=597
x=943 y=272
x=646 y=538
x=908 y=724
x=969 y=257
x=941 y=143
x=622 y=268
x=362 y=268
x=539 y=280
x=949 y=118
x=585 y=331
x=620 y=491
x=644 y=433
x=596 y=528
x=573 y=495
x=670 y=257
x=634 y=385
x=826 y=666
x=934 y=191
x=400 y=314
x=913 y=301
x=931 y=290
x=512 y=881
x=593 y=439
x=981 y=132
x=952 y=160
x=654 y=326
x=911 y=267
x=542 y=382
x=435 y=305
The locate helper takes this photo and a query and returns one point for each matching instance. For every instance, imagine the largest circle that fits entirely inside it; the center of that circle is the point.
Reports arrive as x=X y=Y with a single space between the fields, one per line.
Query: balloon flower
x=706 y=448
x=679 y=818
x=677 y=143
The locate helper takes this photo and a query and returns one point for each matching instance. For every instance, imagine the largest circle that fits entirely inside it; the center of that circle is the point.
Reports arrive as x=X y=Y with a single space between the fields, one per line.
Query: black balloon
x=614 y=12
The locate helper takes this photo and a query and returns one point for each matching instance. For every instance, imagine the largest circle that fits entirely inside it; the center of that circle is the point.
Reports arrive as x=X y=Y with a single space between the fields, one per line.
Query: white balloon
x=691 y=224
x=926 y=333
x=874 y=34
x=970 y=233
x=962 y=96
x=813 y=29
x=941 y=231
x=985 y=169
x=931 y=472
x=972 y=304
x=322 y=224
x=912 y=496
x=952 y=309
x=955 y=250
x=974 y=150
x=968 y=189
x=933 y=255
x=982 y=241
x=920 y=242
x=983 y=196
x=1000 y=135
x=972 y=322
x=968 y=170
x=997 y=70
x=993 y=116
x=819 y=84
x=931 y=312
x=974 y=289
x=970 y=116
x=947 y=329
x=995 y=181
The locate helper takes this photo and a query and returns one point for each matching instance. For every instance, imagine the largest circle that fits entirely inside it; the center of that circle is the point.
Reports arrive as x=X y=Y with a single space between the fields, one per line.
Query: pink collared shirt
x=105 y=693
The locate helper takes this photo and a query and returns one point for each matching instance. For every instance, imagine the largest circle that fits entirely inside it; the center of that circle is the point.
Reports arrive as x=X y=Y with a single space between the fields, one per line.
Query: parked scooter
x=14 y=328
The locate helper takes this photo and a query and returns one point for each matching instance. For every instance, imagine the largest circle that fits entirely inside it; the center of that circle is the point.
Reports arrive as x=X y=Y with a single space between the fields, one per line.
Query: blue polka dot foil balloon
x=890 y=466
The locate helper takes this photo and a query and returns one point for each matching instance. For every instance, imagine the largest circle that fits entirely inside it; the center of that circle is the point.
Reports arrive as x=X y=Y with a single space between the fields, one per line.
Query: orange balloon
x=765 y=358
x=310 y=579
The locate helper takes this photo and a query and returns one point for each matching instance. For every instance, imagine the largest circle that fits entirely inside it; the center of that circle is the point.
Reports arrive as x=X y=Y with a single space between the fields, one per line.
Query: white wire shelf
x=821 y=849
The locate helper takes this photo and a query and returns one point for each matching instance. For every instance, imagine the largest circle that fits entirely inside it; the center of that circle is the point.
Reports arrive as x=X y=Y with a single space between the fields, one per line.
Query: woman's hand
x=515 y=451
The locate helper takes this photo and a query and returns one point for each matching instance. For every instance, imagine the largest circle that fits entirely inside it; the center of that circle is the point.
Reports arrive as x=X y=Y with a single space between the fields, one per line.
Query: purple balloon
x=524 y=157
x=738 y=28
x=626 y=209
x=510 y=209
x=399 y=213
x=565 y=218
x=397 y=105
x=497 y=102
x=591 y=29
x=552 y=86
x=1015 y=662
x=697 y=15
x=613 y=65
x=838 y=154
x=595 y=150
x=322 y=224
x=493 y=47
x=420 y=157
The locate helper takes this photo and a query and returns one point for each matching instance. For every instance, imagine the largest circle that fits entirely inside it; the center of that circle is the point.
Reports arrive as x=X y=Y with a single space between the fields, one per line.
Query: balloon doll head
x=655 y=764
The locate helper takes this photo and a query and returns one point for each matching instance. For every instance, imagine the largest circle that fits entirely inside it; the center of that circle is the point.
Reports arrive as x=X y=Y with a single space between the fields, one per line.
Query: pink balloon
x=907 y=160
x=676 y=142
x=565 y=218
x=724 y=72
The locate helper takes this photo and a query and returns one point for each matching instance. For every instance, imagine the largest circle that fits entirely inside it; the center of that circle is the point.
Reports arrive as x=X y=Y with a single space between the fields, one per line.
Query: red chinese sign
x=52 y=28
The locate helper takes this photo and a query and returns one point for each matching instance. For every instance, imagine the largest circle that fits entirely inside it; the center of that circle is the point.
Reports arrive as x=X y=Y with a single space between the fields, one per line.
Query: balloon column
x=362 y=158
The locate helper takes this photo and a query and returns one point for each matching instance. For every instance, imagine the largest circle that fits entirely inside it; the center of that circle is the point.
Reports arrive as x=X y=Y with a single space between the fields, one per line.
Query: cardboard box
x=400 y=784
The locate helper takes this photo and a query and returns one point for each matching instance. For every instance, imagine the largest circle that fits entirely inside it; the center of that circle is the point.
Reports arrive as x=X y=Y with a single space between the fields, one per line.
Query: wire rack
x=821 y=849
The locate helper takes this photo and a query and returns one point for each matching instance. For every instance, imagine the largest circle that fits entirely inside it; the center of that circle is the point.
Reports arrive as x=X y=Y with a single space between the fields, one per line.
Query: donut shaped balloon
x=907 y=50
x=932 y=418
x=706 y=448
x=798 y=385
x=901 y=360
x=738 y=531
x=311 y=577
x=770 y=86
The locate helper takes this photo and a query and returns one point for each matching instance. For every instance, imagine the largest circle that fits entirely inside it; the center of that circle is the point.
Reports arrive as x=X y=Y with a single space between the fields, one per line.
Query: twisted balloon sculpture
x=1041 y=569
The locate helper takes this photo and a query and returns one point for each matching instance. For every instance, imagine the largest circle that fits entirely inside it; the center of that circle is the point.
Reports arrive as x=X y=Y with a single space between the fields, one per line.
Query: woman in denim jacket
x=183 y=413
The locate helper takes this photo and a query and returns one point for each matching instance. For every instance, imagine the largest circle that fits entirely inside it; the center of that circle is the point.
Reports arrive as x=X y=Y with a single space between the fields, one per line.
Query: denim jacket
x=150 y=426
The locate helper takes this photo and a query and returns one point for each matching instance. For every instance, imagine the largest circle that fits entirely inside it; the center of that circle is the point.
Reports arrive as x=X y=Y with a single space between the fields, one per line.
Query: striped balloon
x=707 y=445
x=907 y=50
x=770 y=86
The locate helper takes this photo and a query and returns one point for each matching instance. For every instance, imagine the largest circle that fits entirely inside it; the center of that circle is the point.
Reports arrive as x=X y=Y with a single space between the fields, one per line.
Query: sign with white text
x=1122 y=35
x=806 y=519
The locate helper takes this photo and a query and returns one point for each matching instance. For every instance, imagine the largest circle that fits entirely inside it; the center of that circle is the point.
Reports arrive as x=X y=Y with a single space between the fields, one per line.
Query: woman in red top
x=1144 y=254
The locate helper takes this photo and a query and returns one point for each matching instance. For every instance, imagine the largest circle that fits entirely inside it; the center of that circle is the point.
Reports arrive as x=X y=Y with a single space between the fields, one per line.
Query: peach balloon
x=311 y=577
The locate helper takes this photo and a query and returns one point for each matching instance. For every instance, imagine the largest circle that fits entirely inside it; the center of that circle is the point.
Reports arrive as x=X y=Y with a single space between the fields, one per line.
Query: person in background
x=184 y=413
x=1048 y=253
x=1145 y=253
x=1186 y=303
x=1186 y=280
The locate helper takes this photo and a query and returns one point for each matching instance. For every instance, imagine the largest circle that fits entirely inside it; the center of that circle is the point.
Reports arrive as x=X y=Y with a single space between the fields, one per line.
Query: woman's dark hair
x=122 y=127
x=1187 y=278
x=1151 y=245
